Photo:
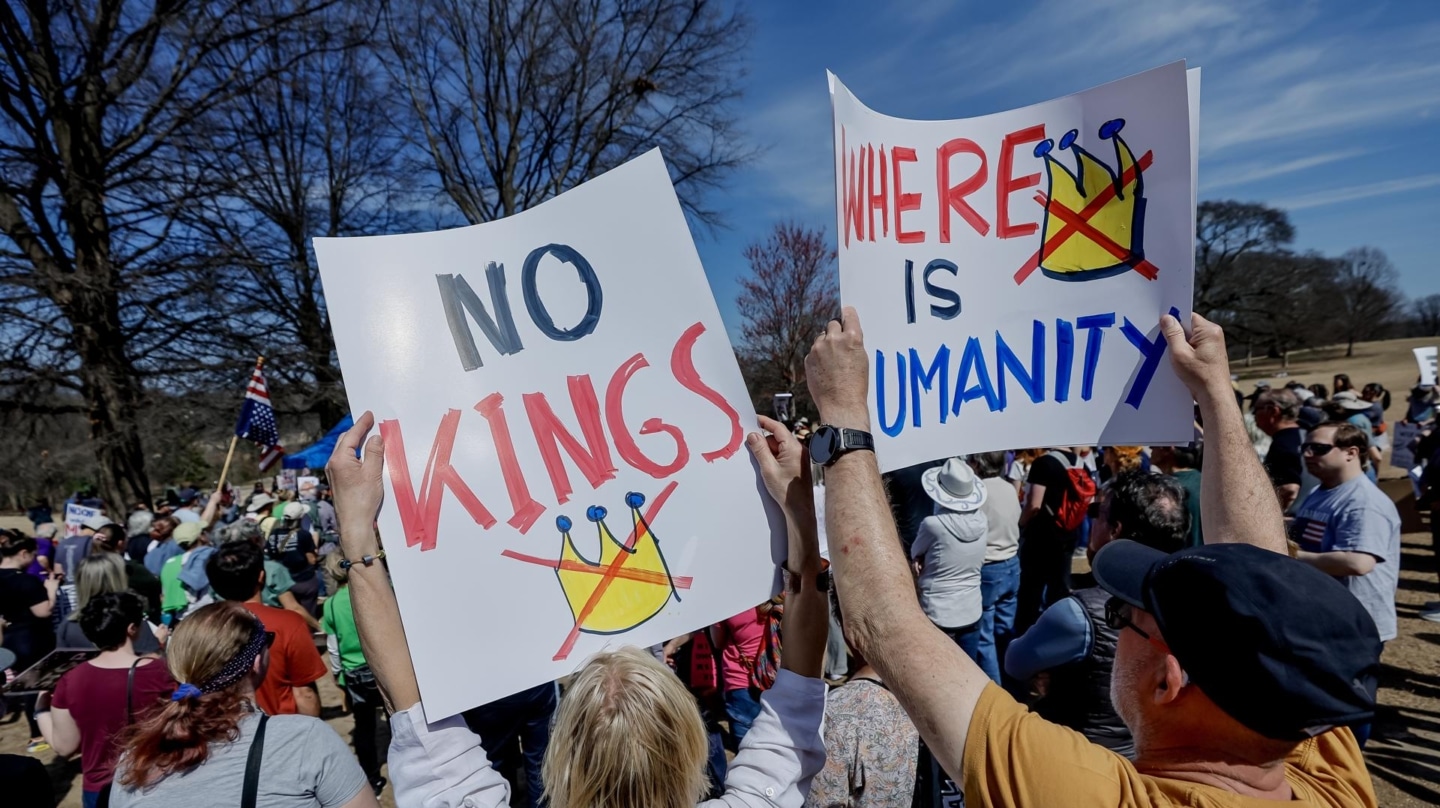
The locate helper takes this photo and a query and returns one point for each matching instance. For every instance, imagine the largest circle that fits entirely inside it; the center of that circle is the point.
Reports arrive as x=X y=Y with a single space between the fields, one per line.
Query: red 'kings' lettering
x=526 y=509
x=420 y=515
x=682 y=364
x=954 y=197
x=593 y=459
x=903 y=201
x=624 y=443
x=1005 y=184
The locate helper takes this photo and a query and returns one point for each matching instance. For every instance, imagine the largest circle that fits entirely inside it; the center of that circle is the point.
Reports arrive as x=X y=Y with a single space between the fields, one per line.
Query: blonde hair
x=627 y=733
x=98 y=573
x=337 y=573
x=1124 y=458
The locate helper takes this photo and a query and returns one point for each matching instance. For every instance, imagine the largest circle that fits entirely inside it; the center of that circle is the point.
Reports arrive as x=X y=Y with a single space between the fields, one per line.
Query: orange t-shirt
x=1016 y=758
x=294 y=660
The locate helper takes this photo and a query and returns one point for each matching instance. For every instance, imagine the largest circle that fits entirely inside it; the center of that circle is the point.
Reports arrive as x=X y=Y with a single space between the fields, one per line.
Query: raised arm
x=935 y=681
x=358 y=493
x=1237 y=501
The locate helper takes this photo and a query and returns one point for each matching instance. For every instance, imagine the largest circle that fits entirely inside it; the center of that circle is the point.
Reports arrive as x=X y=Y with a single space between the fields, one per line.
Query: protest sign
x=75 y=516
x=1010 y=270
x=564 y=420
x=307 y=487
x=1425 y=358
x=1402 y=451
x=286 y=479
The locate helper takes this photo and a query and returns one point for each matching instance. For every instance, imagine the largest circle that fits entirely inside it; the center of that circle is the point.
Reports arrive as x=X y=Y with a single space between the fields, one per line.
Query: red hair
x=177 y=737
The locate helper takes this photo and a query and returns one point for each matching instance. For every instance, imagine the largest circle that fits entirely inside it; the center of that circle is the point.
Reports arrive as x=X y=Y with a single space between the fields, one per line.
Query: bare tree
x=96 y=101
x=1367 y=298
x=788 y=297
x=1426 y=311
x=1225 y=232
x=307 y=153
x=516 y=101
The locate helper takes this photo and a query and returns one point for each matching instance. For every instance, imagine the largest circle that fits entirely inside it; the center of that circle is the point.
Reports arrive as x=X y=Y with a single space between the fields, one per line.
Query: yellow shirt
x=1016 y=759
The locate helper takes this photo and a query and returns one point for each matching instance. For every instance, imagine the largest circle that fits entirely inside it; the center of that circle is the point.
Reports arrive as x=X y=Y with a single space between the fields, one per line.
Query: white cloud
x=1353 y=193
x=1255 y=171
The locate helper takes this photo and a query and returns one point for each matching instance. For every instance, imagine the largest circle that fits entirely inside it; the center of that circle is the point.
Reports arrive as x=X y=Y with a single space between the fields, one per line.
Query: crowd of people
x=1222 y=650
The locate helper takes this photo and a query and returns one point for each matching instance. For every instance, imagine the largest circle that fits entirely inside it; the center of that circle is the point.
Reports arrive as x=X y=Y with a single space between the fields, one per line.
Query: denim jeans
x=741 y=707
x=999 y=585
x=967 y=637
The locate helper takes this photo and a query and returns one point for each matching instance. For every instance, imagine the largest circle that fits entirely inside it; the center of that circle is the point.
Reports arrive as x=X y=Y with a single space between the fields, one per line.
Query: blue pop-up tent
x=317 y=454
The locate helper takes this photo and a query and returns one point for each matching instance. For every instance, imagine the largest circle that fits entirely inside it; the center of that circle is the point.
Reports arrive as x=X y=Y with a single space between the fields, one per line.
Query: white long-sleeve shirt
x=442 y=765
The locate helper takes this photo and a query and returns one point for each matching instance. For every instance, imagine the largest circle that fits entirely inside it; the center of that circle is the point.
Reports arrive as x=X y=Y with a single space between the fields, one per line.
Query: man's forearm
x=307 y=700
x=936 y=683
x=1237 y=501
x=1339 y=563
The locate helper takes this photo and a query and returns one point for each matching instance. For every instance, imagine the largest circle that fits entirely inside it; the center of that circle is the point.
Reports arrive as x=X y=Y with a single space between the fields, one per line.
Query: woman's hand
x=355 y=485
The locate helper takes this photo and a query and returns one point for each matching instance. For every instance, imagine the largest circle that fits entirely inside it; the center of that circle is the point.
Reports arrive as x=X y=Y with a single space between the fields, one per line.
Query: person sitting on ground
x=1000 y=575
x=1238 y=669
x=210 y=744
x=1072 y=646
x=628 y=733
x=102 y=573
x=94 y=702
x=949 y=551
x=237 y=572
x=347 y=662
x=871 y=746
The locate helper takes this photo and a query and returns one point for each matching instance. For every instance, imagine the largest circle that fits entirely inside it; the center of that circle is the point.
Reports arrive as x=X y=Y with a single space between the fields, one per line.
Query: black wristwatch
x=828 y=443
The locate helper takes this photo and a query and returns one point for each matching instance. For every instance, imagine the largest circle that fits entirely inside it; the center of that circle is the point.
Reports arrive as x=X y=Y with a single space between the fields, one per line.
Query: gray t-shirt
x=952 y=546
x=305 y=764
x=1358 y=517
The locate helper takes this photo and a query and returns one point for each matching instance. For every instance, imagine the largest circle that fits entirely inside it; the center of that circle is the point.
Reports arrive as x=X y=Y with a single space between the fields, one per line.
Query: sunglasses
x=1316 y=449
x=1117 y=617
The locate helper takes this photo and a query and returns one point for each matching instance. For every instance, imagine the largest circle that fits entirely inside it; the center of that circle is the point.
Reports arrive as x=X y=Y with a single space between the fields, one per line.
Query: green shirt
x=172 y=592
x=277 y=583
x=1190 y=481
x=338 y=620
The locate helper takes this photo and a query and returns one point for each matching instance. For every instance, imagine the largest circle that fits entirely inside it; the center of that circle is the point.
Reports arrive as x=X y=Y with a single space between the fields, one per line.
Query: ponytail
x=211 y=654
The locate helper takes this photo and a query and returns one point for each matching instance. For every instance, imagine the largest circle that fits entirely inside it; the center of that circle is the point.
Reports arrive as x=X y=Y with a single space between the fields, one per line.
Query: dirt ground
x=1404 y=753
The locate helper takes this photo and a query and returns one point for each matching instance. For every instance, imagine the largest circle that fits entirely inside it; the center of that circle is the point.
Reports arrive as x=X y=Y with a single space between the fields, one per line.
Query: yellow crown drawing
x=1094 y=217
x=603 y=598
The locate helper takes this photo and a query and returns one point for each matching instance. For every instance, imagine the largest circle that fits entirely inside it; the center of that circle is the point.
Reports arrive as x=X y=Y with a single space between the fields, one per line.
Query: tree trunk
x=1350 y=348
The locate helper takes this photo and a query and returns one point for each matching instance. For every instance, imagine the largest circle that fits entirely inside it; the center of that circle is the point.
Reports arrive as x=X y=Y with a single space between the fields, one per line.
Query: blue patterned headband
x=234 y=670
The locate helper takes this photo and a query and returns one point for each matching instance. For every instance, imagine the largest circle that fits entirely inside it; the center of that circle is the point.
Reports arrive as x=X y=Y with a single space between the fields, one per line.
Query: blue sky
x=1329 y=110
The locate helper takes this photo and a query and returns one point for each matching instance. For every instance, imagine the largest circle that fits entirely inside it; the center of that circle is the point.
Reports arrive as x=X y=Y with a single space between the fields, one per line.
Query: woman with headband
x=628 y=732
x=209 y=745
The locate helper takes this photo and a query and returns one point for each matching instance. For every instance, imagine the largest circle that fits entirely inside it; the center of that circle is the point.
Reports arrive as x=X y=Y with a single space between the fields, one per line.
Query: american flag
x=257 y=420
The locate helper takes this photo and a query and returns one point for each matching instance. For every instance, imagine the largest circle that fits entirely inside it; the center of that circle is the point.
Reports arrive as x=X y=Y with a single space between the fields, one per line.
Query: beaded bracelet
x=365 y=560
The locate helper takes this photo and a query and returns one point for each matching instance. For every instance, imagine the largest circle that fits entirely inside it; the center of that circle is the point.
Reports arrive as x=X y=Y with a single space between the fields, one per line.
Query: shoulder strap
x=252 y=765
x=130 y=692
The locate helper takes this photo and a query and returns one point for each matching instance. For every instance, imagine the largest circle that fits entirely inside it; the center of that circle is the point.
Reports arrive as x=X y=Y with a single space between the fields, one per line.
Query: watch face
x=824 y=443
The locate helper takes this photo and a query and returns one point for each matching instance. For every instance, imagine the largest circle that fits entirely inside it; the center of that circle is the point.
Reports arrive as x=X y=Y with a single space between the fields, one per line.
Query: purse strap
x=252 y=765
x=130 y=692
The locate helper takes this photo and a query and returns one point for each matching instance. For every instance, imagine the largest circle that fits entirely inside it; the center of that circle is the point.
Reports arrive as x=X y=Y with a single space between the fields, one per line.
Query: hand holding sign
x=837 y=371
x=1200 y=360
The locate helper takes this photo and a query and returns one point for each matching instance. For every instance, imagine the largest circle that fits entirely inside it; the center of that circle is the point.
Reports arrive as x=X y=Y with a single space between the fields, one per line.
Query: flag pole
x=234 y=439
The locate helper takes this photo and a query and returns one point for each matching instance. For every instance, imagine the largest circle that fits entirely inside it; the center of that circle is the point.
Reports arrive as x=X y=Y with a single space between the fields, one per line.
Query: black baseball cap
x=1281 y=647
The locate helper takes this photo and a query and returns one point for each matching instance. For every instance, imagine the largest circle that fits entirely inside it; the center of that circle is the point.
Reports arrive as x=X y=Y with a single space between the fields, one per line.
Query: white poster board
x=285 y=480
x=75 y=517
x=307 y=487
x=1402 y=453
x=1007 y=304
x=1425 y=359
x=550 y=387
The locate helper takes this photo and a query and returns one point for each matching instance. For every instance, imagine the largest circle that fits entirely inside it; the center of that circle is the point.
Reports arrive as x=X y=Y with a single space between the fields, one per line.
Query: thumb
x=760 y=448
x=375 y=451
x=1174 y=334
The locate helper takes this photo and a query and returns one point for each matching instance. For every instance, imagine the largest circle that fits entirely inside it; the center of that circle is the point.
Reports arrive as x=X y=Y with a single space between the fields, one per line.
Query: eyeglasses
x=1316 y=449
x=1117 y=617
x=269 y=638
